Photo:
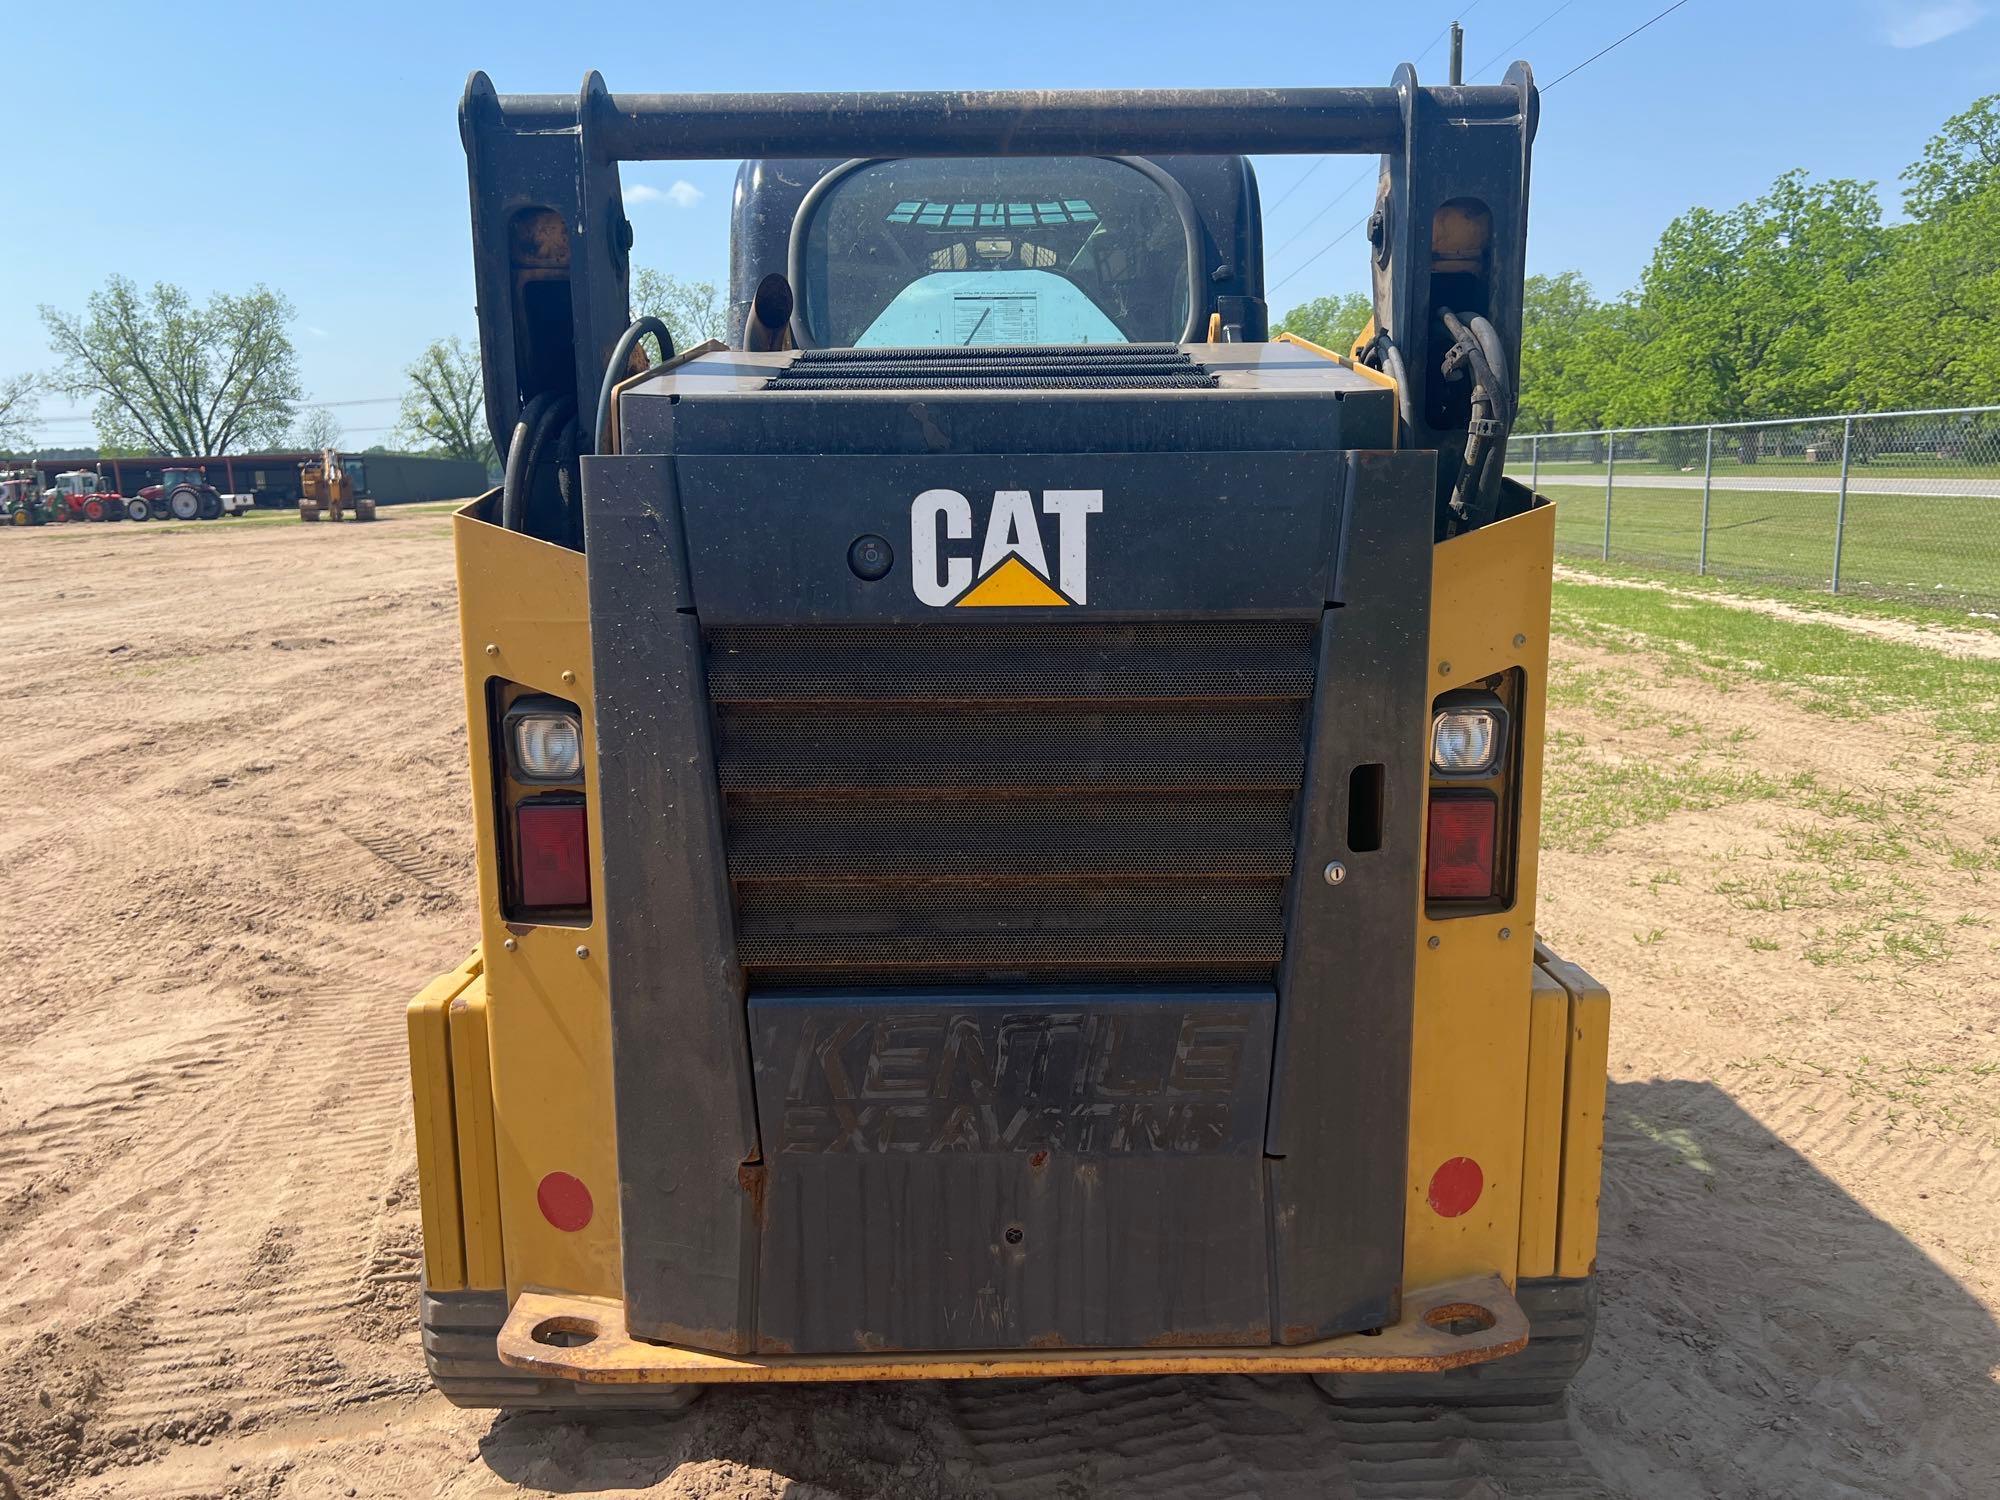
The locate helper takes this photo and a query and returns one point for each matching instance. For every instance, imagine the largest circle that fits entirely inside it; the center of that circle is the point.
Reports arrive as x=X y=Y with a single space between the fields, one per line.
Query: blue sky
x=323 y=159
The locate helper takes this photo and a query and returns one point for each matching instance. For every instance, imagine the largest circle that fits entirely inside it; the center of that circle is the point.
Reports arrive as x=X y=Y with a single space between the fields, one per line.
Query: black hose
x=542 y=418
x=515 y=480
x=1393 y=367
x=1475 y=491
x=615 y=371
x=1486 y=495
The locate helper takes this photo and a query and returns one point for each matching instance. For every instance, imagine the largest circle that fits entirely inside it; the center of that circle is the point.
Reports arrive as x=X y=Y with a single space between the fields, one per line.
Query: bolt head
x=1335 y=872
x=492 y=649
x=1444 y=669
x=1432 y=943
x=1520 y=640
x=581 y=951
x=509 y=944
x=1505 y=933
x=569 y=678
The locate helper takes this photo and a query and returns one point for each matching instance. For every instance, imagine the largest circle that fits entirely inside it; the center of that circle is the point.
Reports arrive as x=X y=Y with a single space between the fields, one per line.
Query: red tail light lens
x=1458 y=862
x=554 y=853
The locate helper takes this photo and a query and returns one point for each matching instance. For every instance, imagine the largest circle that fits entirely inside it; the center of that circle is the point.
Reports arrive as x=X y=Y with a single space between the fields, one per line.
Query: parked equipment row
x=81 y=495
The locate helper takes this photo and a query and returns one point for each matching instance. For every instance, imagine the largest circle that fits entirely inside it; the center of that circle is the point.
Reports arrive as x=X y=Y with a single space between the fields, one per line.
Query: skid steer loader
x=1007 y=798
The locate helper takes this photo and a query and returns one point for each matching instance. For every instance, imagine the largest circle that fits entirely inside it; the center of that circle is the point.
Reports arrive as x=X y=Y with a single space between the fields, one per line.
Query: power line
x=1289 y=275
x=1317 y=165
x=1318 y=253
x=1331 y=204
x=1508 y=51
x=75 y=417
x=1321 y=161
x=1615 y=45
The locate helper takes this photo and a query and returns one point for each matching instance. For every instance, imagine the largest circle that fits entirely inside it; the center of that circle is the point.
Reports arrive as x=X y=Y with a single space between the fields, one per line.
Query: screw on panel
x=581 y=951
x=1520 y=640
x=510 y=945
x=492 y=649
x=569 y=677
x=1505 y=933
x=1335 y=872
x=1444 y=669
x=1432 y=943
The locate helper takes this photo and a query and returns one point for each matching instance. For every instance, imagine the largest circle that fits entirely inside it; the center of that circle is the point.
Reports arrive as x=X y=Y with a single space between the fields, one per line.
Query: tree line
x=168 y=376
x=1799 y=302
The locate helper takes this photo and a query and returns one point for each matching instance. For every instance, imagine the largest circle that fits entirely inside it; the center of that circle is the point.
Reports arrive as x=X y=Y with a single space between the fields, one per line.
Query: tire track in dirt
x=250 y=1324
x=40 y=1159
x=1403 y=1453
x=1168 y=1437
x=1163 y=1437
x=403 y=853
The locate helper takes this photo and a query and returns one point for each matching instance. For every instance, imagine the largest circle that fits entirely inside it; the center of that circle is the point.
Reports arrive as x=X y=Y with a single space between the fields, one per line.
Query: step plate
x=584 y=1338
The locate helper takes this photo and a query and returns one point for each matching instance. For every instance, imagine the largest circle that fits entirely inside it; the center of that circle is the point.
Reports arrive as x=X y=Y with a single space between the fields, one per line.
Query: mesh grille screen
x=995 y=367
x=1048 y=803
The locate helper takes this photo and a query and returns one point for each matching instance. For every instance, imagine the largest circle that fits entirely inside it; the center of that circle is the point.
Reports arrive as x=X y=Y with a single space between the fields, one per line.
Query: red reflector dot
x=565 y=1201
x=1456 y=1186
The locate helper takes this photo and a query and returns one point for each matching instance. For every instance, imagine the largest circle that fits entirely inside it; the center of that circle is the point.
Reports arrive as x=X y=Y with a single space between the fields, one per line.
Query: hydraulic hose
x=1475 y=493
x=1392 y=366
x=513 y=483
x=541 y=418
x=616 y=370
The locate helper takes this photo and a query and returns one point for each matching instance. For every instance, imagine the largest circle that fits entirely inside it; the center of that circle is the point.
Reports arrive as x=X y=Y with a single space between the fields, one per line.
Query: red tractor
x=80 y=495
x=184 y=495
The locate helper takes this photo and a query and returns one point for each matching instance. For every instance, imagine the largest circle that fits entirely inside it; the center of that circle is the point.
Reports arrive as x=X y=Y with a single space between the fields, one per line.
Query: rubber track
x=1167 y=1438
x=1417 y=1453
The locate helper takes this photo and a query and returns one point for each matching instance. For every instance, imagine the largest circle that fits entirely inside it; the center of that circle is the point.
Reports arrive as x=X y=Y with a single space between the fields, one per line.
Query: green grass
x=1956 y=616
x=1845 y=870
x=1828 y=670
x=1943 y=548
x=1586 y=799
x=262 y=518
x=1881 y=466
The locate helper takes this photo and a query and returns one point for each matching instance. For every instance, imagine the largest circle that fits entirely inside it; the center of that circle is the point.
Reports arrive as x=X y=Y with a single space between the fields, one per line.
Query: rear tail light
x=552 y=845
x=1459 y=850
x=540 y=807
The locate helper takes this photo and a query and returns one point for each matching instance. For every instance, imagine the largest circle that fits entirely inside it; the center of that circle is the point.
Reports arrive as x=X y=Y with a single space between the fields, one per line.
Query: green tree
x=173 y=378
x=317 y=429
x=444 y=406
x=1959 y=162
x=1925 y=327
x=1577 y=356
x=1332 y=322
x=18 y=408
x=692 y=310
x=1732 y=316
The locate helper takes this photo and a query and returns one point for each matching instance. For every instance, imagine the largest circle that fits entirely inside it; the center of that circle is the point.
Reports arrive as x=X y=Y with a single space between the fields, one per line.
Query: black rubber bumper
x=460 y=1330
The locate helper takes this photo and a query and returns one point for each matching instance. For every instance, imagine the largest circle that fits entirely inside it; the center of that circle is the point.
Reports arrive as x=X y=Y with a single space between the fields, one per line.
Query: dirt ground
x=238 y=841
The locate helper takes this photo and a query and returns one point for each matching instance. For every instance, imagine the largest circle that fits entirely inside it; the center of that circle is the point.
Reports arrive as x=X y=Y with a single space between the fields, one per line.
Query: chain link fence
x=1897 y=505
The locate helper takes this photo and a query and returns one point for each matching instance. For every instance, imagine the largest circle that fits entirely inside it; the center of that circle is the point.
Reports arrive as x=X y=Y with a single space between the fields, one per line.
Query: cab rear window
x=993 y=250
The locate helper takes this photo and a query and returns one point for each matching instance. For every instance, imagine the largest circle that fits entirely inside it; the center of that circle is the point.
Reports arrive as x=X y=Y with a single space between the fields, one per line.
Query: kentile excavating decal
x=1013 y=561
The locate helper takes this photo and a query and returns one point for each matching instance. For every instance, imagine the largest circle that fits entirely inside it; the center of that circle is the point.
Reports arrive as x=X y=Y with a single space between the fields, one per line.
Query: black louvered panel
x=980 y=803
x=996 y=367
